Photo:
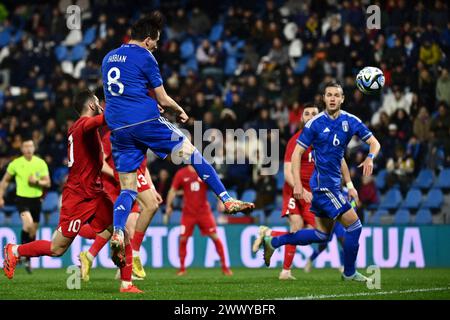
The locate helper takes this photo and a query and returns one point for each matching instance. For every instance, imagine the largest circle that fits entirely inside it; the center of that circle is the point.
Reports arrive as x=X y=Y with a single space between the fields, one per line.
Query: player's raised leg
x=208 y=174
x=38 y=248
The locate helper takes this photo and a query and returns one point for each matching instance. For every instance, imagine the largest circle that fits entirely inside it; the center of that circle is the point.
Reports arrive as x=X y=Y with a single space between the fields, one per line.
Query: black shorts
x=33 y=205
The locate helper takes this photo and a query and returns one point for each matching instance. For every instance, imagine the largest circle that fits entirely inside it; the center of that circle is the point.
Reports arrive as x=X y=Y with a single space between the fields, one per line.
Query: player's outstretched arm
x=374 y=149
x=167 y=102
x=94 y=122
x=3 y=186
x=299 y=192
x=288 y=174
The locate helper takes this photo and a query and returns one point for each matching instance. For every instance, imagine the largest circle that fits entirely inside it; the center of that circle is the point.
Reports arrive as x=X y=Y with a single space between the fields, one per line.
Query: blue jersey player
x=136 y=125
x=329 y=134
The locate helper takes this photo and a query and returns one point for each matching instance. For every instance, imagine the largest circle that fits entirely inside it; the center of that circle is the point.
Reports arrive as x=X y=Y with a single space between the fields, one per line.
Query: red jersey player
x=136 y=223
x=297 y=211
x=83 y=199
x=196 y=211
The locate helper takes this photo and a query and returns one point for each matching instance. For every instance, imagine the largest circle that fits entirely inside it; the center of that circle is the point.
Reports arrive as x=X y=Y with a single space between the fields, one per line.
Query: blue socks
x=207 y=173
x=122 y=207
x=351 y=246
x=301 y=237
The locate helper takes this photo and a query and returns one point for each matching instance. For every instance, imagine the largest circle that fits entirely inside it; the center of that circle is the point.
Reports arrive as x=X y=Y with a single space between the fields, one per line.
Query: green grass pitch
x=254 y=284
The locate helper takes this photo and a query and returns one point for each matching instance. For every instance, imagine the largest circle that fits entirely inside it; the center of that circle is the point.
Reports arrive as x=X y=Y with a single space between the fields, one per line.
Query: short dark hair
x=332 y=84
x=148 y=26
x=311 y=105
x=81 y=98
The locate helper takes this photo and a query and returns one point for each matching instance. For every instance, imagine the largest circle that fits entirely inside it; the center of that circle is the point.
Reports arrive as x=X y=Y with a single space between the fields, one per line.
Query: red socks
x=182 y=253
x=289 y=253
x=289 y=250
x=137 y=240
x=35 y=249
x=220 y=251
x=87 y=232
x=98 y=244
x=125 y=272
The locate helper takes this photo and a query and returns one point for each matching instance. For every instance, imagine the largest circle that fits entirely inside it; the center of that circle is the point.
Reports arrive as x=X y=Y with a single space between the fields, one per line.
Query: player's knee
x=58 y=251
x=187 y=149
x=323 y=236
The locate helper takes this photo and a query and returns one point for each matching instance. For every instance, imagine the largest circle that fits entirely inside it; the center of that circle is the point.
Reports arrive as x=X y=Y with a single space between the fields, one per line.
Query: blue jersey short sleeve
x=306 y=137
x=151 y=71
x=360 y=129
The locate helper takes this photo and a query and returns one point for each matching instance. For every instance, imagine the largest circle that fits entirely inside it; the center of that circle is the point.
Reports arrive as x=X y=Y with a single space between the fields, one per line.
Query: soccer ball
x=370 y=80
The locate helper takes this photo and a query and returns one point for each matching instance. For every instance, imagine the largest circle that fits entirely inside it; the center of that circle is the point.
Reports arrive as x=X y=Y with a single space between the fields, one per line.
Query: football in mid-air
x=370 y=80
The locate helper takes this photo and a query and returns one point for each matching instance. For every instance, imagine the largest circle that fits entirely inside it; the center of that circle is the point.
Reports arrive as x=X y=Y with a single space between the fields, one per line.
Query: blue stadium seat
x=5 y=37
x=443 y=180
x=175 y=218
x=216 y=32
x=302 y=64
x=380 y=180
x=89 y=36
x=192 y=64
x=275 y=218
x=259 y=215
x=230 y=65
x=15 y=219
x=376 y=218
x=78 y=52
x=50 y=202
x=249 y=195
x=232 y=194
x=423 y=216
x=433 y=200
x=412 y=200
x=280 y=179
x=187 y=49
x=18 y=36
x=61 y=52
x=402 y=216
x=391 y=200
x=54 y=218
x=424 y=180
x=158 y=218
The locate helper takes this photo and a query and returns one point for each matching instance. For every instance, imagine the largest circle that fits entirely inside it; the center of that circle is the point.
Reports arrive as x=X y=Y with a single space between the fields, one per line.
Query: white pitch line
x=362 y=294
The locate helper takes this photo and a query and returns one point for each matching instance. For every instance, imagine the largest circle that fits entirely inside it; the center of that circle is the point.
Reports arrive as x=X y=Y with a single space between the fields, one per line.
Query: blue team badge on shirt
x=345 y=125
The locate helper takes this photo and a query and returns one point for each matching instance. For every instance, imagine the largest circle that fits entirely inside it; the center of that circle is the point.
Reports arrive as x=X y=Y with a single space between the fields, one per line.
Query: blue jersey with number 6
x=128 y=73
x=329 y=139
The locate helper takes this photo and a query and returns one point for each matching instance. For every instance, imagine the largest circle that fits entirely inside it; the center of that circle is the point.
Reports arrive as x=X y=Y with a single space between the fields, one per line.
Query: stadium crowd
x=239 y=64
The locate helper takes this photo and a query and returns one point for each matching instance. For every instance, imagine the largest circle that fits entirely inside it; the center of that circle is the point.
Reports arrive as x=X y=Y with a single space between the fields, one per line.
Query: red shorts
x=292 y=206
x=77 y=210
x=205 y=222
x=112 y=187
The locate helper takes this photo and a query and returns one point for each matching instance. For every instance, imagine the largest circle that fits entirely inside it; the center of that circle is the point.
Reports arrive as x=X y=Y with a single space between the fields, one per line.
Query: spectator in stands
x=440 y=125
x=400 y=170
x=368 y=194
x=443 y=87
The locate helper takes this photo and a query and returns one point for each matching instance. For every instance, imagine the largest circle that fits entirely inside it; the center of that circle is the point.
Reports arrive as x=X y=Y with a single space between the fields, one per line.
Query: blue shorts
x=130 y=144
x=328 y=203
x=339 y=230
